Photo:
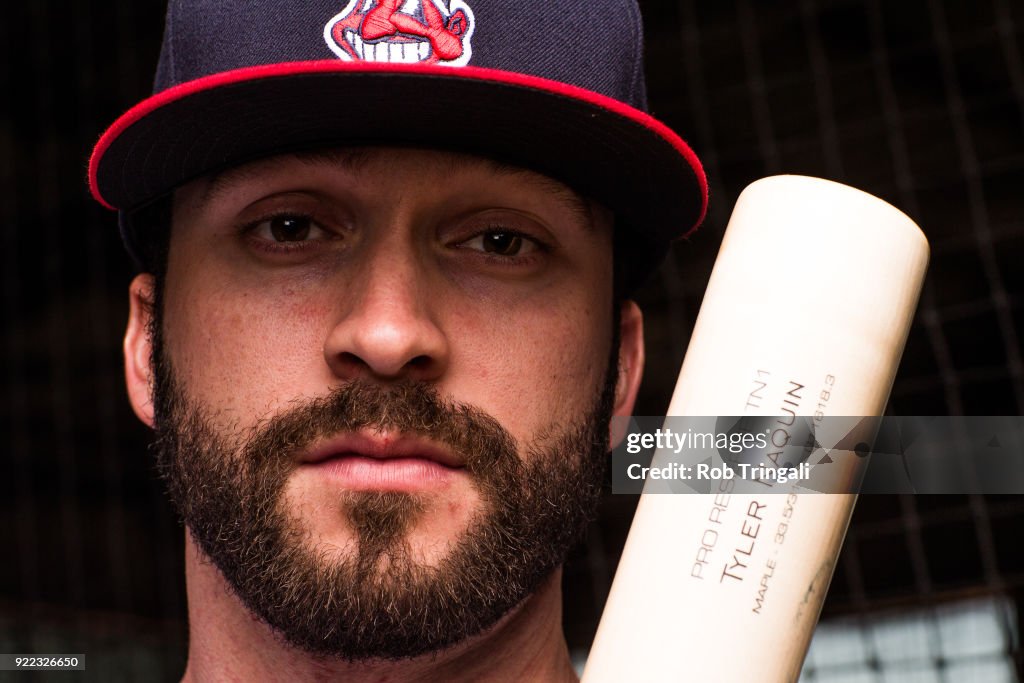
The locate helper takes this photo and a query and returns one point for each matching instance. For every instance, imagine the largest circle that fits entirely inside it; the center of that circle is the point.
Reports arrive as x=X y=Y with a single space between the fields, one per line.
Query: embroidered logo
x=403 y=31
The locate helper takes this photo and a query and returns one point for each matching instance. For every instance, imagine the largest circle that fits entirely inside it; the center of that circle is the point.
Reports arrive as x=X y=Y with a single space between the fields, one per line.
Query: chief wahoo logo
x=403 y=31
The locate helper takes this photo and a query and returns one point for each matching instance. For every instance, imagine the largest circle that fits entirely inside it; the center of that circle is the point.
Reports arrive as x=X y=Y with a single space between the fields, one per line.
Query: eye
x=288 y=228
x=502 y=243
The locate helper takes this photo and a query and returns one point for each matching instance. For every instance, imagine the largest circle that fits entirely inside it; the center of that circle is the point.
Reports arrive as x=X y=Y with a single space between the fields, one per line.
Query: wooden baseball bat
x=807 y=312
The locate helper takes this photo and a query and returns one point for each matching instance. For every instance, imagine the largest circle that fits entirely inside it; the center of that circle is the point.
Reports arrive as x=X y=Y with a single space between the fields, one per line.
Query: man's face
x=382 y=387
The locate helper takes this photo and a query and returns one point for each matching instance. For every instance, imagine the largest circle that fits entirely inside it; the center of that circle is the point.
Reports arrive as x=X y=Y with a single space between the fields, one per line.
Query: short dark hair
x=148 y=231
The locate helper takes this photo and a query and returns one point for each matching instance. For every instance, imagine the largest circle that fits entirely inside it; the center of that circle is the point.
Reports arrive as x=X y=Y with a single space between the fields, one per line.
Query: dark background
x=920 y=103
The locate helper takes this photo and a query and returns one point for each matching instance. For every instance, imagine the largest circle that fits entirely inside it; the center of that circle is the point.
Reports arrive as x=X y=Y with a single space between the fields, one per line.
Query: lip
x=381 y=446
x=363 y=461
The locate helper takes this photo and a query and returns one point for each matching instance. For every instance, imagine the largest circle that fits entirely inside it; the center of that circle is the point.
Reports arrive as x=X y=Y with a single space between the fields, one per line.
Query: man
x=383 y=319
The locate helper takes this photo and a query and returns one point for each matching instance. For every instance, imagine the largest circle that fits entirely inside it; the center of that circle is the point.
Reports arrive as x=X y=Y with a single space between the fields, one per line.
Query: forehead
x=402 y=167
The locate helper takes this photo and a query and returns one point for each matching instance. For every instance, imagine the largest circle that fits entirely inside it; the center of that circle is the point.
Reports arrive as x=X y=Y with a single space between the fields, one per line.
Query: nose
x=387 y=327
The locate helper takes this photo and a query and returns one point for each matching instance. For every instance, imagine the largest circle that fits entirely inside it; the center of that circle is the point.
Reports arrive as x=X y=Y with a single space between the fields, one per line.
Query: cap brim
x=601 y=147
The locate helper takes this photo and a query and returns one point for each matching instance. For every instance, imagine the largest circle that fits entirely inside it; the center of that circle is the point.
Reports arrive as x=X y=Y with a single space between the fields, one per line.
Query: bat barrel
x=806 y=312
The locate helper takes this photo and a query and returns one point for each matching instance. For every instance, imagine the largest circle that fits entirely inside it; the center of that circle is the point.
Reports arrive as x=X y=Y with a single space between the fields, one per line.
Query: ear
x=631 y=365
x=137 y=347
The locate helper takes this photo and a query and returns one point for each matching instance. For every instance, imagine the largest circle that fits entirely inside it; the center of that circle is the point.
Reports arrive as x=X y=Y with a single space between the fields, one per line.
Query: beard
x=379 y=602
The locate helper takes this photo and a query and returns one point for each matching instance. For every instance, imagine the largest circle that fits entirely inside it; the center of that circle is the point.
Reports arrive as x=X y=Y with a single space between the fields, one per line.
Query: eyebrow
x=353 y=159
x=575 y=202
x=348 y=159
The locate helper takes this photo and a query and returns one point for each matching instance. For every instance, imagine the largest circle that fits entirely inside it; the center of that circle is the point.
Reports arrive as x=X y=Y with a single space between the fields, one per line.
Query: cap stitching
x=636 y=35
x=170 y=41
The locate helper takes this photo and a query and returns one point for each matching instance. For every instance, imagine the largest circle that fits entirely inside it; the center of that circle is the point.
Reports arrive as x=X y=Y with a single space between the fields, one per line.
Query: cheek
x=535 y=365
x=243 y=352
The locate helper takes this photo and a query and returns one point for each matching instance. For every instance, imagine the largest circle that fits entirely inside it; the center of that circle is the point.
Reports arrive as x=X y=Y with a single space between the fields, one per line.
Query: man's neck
x=228 y=643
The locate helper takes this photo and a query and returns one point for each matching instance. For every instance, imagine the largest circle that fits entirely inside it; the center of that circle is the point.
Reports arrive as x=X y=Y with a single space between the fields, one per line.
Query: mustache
x=264 y=455
x=413 y=409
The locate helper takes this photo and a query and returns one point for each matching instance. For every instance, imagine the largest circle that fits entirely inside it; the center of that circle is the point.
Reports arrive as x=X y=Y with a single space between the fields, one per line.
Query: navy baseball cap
x=555 y=86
